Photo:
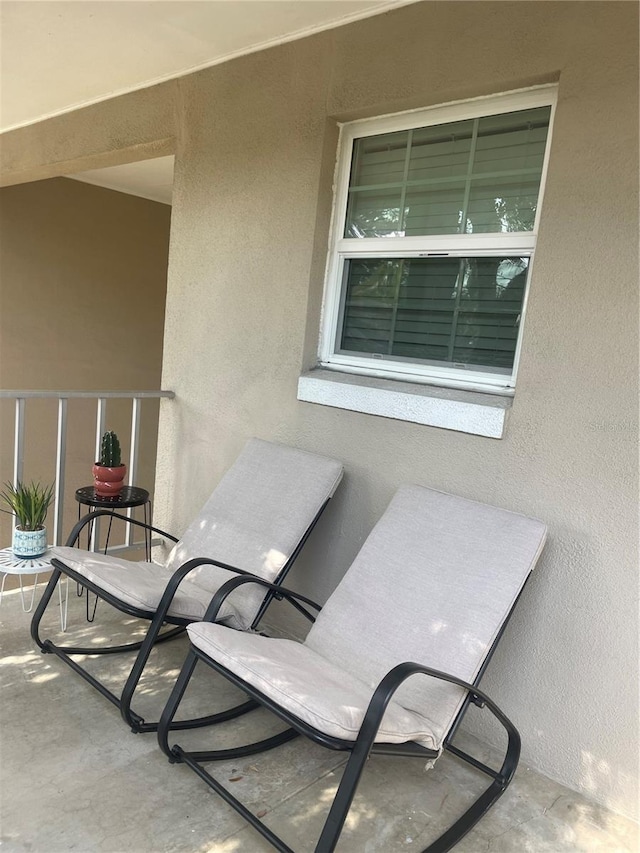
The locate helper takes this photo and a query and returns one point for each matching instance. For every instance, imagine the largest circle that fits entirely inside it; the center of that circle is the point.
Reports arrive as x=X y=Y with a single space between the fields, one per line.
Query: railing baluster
x=101 y=417
x=135 y=439
x=18 y=445
x=61 y=458
x=133 y=457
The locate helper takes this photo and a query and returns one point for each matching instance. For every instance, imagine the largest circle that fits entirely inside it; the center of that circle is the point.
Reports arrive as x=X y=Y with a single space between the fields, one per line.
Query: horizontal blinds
x=449 y=310
x=473 y=176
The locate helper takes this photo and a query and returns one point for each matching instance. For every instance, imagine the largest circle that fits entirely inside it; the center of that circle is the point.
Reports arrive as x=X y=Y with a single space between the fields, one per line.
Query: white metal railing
x=63 y=397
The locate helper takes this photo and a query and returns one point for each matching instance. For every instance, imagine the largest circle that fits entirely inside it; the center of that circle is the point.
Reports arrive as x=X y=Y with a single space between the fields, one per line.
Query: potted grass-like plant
x=29 y=504
x=109 y=471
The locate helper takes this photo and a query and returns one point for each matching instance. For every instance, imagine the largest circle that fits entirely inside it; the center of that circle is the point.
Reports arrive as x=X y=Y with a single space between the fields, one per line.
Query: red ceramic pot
x=108 y=481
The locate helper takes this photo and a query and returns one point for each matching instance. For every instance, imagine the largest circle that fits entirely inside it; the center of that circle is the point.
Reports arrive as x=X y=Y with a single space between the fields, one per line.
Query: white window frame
x=342 y=249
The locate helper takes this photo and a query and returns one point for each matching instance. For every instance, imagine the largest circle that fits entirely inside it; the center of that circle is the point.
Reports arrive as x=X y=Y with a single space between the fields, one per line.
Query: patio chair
x=393 y=659
x=255 y=523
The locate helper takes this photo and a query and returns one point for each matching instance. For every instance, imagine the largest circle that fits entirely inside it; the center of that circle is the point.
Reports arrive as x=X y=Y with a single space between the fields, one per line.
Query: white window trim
x=341 y=249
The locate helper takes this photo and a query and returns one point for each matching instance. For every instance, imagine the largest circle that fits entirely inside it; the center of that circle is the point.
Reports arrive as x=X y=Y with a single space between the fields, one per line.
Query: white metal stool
x=12 y=565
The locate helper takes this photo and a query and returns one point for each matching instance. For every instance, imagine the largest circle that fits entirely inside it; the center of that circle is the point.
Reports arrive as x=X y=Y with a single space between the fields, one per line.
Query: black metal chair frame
x=158 y=619
x=359 y=750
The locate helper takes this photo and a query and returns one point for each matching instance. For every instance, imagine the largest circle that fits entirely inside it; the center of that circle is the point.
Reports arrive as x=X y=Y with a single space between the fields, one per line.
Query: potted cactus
x=29 y=504
x=108 y=471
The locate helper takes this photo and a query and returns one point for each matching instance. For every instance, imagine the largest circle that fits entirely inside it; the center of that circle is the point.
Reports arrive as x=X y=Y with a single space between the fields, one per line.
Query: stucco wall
x=255 y=146
x=82 y=295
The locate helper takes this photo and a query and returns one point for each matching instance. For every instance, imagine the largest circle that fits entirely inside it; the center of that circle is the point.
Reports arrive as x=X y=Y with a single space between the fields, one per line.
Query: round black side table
x=129 y=497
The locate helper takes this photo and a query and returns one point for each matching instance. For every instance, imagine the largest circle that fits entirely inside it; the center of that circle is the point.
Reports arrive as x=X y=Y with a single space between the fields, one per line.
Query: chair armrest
x=91 y=516
x=180 y=574
x=226 y=589
x=396 y=676
x=281 y=592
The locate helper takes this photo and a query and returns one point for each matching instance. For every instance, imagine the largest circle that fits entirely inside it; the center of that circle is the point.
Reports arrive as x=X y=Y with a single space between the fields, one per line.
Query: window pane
x=448 y=311
x=370 y=296
x=425 y=315
x=436 y=210
x=509 y=148
x=379 y=159
x=472 y=176
x=440 y=151
x=502 y=204
x=512 y=142
x=374 y=213
x=490 y=306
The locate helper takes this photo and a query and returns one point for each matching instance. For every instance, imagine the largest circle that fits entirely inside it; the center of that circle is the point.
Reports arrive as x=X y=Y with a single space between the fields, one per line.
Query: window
x=433 y=239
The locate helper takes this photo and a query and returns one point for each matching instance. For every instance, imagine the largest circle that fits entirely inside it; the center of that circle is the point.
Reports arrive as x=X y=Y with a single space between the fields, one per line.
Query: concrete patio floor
x=75 y=779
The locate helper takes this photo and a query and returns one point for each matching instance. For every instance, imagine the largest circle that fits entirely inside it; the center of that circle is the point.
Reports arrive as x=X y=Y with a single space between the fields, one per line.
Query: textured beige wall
x=255 y=144
x=82 y=295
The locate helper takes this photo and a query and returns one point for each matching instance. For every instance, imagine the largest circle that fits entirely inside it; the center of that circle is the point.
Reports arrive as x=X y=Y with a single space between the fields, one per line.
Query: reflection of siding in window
x=455 y=310
x=466 y=177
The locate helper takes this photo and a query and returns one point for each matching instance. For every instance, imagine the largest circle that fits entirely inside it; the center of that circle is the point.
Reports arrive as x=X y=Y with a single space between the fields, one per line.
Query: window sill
x=446 y=408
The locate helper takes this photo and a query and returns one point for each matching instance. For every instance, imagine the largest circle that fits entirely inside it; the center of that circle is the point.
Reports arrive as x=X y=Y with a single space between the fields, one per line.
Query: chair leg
x=174 y=700
x=135 y=722
x=486 y=800
x=144 y=647
x=234 y=802
x=353 y=771
x=213 y=719
x=167 y=724
x=109 y=650
x=343 y=798
x=464 y=824
x=40 y=609
x=63 y=652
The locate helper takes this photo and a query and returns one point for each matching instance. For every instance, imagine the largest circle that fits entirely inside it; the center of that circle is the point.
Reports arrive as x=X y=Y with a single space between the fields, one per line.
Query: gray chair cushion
x=306 y=684
x=433 y=584
x=256 y=517
x=141 y=585
x=254 y=520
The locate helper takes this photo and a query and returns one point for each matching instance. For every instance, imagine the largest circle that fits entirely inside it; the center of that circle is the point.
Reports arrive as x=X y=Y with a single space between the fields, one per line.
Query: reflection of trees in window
x=516 y=214
x=490 y=306
x=375 y=222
